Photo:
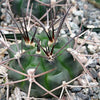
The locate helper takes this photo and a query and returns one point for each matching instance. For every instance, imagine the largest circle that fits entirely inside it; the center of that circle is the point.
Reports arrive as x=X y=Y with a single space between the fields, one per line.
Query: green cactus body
x=66 y=67
x=19 y=7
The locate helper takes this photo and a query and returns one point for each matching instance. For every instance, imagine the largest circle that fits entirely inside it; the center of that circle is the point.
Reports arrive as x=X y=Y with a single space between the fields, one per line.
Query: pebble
x=93 y=72
x=3 y=70
x=23 y=94
x=95 y=37
x=90 y=92
x=4 y=4
x=88 y=77
x=2 y=17
x=62 y=32
x=96 y=90
x=17 y=93
x=78 y=13
x=76 y=89
x=3 y=10
x=75 y=83
x=3 y=24
x=95 y=97
x=99 y=95
x=74 y=97
x=86 y=90
x=93 y=83
x=73 y=25
x=99 y=75
x=97 y=66
x=92 y=65
x=92 y=48
x=87 y=38
x=82 y=82
x=5 y=32
x=98 y=48
x=76 y=20
x=8 y=19
x=10 y=98
x=83 y=59
x=2 y=94
x=82 y=49
x=83 y=96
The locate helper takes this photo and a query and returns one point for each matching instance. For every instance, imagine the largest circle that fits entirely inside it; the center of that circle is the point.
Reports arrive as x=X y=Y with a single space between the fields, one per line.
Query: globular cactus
x=47 y=49
x=19 y=6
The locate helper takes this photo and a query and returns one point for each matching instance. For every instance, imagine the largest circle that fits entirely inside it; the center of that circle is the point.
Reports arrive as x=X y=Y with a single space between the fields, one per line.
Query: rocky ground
x=87 y=50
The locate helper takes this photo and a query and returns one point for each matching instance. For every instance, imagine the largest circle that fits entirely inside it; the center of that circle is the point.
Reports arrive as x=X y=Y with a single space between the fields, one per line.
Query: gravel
x=91 y=18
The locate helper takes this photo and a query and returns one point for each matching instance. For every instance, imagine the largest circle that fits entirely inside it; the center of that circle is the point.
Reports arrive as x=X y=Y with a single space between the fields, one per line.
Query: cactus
x=19 y=6
x=49 y=51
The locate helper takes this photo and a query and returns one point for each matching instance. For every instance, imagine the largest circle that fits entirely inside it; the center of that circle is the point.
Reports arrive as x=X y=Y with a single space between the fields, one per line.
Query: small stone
x=90 y=26
x=74 y=97
x=76 y=20
x=97 y=67
x=90 y=62
x=62 y=32
x=2 y=17
x=95 y=38
x=3 y=24
x=10 y=98
x=73 y=9
x=93 y=72
x=86 y=90
x=82 y=82
x=82 y=49
x=88 y=77
x=3 y=10
x=92 y=48
x=95 y=97
x=85 y=6
x=23 y=94
x=8 y=18
x=99 y=95
x=73 y=1
x=2 y=94
x=73 y=25
x=76 y=89
x=83 y=96
x=72 y=35
x=76 y=83
x=93 y=83
x=98 y=49
x=17 y=93
x=1 y=80
x=3 y=70
x=87 y=38
x=96 y=90
x=4 y=4
x=98 y=74
x=92 y=65
x=78 y=13
x=83 y=59
x=90 y=92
